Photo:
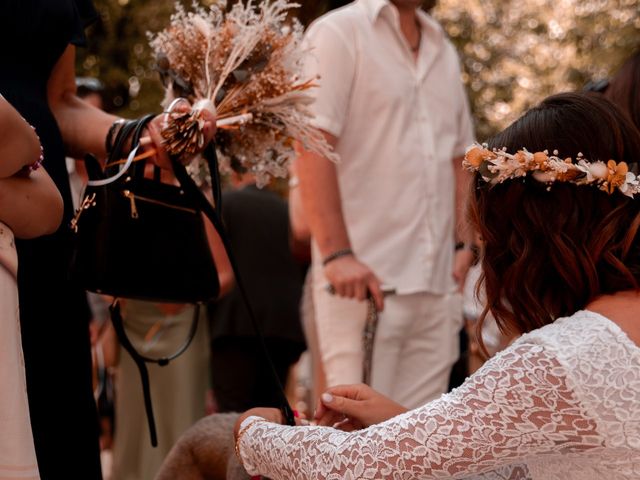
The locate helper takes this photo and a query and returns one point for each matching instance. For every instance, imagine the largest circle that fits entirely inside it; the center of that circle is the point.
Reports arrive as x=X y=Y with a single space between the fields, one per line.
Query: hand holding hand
x=353 y=279
x=272 y=415
x=353 y=407
x=269 y=414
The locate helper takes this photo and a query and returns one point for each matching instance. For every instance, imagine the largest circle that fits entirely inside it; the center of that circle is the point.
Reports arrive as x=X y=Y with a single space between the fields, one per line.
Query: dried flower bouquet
x=246 y=67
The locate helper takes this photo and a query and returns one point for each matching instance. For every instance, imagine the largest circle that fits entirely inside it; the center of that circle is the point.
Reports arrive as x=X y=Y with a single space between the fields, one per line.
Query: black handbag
x=142 y=239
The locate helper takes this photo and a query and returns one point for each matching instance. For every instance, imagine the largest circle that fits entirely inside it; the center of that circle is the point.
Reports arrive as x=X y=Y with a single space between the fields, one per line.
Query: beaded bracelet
x=38 y=163
x=32 y=167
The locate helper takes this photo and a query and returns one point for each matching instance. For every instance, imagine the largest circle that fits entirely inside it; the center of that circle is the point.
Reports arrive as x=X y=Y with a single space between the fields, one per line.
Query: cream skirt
x=17 y=453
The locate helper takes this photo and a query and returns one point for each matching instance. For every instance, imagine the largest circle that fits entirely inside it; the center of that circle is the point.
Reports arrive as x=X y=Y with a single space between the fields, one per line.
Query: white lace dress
x=563 y=402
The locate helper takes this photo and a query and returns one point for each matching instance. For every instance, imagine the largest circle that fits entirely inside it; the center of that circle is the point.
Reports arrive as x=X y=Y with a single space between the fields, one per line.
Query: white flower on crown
x=631 y=185
x=548 y=169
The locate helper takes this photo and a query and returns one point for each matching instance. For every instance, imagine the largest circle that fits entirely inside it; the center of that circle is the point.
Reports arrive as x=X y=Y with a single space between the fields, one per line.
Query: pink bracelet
x=38 y=163
x=32 y=167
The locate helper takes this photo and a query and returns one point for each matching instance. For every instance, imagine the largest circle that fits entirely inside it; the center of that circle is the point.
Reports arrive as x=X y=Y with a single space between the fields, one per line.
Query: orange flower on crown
x=477 y=155
x=617 y=175
x=542 y=160
x=521 y=157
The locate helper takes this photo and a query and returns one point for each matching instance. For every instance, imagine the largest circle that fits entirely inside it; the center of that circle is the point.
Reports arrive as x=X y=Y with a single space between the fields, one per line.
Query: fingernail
x=327 y=398
x=296 y=414
x=304 y=422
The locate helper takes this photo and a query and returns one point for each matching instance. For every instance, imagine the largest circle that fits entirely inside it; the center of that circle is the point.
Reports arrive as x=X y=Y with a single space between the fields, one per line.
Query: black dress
x=54 y=315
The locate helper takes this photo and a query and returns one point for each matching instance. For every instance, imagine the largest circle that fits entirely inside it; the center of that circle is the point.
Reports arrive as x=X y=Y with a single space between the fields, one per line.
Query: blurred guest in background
x=392 y=103
x=624 y=88
x=258 y=225
x=301 y=235
x=178 y=390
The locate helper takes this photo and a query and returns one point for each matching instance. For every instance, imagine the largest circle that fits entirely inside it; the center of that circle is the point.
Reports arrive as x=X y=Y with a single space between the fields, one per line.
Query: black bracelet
x=340 y=253
x=108 y=141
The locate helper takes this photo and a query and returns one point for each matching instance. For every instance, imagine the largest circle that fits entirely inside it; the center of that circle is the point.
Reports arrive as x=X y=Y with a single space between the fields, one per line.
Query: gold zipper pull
x=87 y=203
x=132 y=200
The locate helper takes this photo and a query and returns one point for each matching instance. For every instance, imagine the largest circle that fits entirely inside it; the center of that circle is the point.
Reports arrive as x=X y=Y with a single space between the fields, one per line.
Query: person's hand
x=155 y=127
x=461 y=264
x=351 y=278
x=272 y=415
x=353 y=407
x=269 y=414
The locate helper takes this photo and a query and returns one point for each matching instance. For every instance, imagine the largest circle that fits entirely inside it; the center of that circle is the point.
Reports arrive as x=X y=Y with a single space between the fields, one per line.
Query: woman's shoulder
x=583 y=329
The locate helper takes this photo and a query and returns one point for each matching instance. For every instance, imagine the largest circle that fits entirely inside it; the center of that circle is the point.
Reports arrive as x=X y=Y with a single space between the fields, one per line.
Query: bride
x=30 y=206
x=561 y=266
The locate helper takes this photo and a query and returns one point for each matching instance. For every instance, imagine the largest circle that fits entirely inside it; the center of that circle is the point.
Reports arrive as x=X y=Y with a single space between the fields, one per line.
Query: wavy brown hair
x=548 y=252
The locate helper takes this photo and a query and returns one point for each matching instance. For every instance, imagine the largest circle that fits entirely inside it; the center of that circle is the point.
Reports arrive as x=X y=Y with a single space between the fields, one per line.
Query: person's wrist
x=245 y=425
x=111 y=134
x=343 y=252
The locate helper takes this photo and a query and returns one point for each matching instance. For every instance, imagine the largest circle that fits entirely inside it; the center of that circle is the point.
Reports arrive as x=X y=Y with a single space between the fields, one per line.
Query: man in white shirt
x=392 y=104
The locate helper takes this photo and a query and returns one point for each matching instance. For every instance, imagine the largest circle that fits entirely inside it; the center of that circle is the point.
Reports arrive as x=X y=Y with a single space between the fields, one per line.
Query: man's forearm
x=322 y=203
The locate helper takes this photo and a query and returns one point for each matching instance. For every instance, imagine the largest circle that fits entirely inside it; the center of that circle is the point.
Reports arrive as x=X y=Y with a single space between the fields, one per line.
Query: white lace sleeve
x=517 y=407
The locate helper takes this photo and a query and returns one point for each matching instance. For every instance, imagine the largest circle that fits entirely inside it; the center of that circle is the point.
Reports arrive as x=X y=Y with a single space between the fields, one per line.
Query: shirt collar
x=374 y=8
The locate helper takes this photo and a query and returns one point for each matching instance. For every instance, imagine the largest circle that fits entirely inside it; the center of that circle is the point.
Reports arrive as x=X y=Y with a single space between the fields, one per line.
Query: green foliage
x=514 y=52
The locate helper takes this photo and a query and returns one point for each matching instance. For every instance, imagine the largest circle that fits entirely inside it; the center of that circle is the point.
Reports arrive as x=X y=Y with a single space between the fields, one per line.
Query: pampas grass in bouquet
x=245 y=66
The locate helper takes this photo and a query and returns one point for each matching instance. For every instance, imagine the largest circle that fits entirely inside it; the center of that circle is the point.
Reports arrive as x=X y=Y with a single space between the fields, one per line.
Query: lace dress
x=563 y=402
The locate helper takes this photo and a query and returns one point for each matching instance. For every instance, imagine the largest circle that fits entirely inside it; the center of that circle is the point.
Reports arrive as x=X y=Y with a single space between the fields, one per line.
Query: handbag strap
x=134 y=127
x=190 y=187
x=134 y=130
x=141 y=360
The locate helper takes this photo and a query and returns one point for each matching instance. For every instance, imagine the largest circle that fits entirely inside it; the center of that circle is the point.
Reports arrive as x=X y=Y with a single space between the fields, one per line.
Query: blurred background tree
x=513 y=52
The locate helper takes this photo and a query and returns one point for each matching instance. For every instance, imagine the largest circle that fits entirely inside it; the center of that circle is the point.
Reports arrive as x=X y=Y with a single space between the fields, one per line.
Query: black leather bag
x=142 y=239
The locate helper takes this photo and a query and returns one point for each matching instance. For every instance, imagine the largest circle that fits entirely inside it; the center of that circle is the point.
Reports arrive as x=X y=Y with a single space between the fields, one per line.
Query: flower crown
x=495 y=166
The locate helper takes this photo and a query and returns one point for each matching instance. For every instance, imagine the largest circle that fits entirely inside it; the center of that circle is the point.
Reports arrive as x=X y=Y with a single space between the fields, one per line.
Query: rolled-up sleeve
x=332 y=60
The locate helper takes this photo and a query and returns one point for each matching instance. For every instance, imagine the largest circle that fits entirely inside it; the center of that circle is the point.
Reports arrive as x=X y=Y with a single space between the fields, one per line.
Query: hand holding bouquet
x=244 y=67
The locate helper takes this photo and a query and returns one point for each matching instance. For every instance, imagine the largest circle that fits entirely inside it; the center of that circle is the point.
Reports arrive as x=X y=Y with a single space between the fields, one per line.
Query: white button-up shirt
x=399 y=123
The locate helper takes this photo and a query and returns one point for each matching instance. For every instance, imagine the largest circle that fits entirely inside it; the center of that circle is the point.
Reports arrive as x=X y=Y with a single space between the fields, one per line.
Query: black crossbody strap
x=134 y=130
x=141 y=361
x=189 y=186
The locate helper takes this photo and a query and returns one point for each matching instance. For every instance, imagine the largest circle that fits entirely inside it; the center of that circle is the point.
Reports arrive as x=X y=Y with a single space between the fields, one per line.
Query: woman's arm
x=19 y=145
x=517 y=407
x=84 y=127
x=30 y=205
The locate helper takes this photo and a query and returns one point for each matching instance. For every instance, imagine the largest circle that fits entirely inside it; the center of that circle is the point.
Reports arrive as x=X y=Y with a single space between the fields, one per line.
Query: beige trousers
x=178 y=390
x=416 y=343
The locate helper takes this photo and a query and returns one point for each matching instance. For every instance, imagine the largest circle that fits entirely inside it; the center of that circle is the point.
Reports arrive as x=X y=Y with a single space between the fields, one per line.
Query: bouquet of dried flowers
x=246 y=67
